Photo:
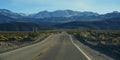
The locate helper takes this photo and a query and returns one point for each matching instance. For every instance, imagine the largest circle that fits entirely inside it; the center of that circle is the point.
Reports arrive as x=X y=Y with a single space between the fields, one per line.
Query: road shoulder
x=93 y=54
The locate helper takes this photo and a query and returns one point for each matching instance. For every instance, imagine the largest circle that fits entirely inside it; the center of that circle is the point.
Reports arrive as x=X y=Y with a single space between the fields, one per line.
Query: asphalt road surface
x=55 y=47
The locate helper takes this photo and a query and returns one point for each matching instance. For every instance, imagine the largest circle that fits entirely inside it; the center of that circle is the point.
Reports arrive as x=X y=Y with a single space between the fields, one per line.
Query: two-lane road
x=64 y=50
x=55 y=47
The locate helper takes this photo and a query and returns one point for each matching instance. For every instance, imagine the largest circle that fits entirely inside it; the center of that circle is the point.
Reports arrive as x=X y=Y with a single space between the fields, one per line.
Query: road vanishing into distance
x=55 y=47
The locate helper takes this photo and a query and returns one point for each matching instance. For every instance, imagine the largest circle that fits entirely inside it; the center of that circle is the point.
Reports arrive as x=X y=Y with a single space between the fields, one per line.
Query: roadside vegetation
x=13 y=40
x=107 y=42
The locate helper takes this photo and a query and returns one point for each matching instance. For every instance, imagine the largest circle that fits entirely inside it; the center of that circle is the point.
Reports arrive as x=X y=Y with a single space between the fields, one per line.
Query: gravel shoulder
x=93 y=54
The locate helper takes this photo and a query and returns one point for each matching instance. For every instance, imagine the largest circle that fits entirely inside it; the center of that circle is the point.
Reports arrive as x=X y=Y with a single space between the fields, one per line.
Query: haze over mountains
x=60 y=17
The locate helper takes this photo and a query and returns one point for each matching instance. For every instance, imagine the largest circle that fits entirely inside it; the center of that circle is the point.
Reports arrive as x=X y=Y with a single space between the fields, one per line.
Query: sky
x=34 y=6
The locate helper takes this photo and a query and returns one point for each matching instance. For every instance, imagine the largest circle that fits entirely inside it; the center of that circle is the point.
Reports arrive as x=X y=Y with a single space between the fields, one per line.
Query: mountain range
x=55 y=16
x=62 y=13
x=59 y=19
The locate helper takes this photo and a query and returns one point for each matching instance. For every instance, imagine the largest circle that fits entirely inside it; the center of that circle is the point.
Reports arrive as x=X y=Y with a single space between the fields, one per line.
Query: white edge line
x=80 y=49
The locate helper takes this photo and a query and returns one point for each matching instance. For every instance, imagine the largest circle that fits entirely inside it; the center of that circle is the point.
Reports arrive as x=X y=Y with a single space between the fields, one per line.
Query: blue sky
x=34 y=6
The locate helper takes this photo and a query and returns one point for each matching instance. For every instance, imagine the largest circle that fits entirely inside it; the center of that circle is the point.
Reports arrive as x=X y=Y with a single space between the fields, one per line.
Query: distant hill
x=22 y=26
x=94 y=25
x=4 y=19
x=108 y=24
